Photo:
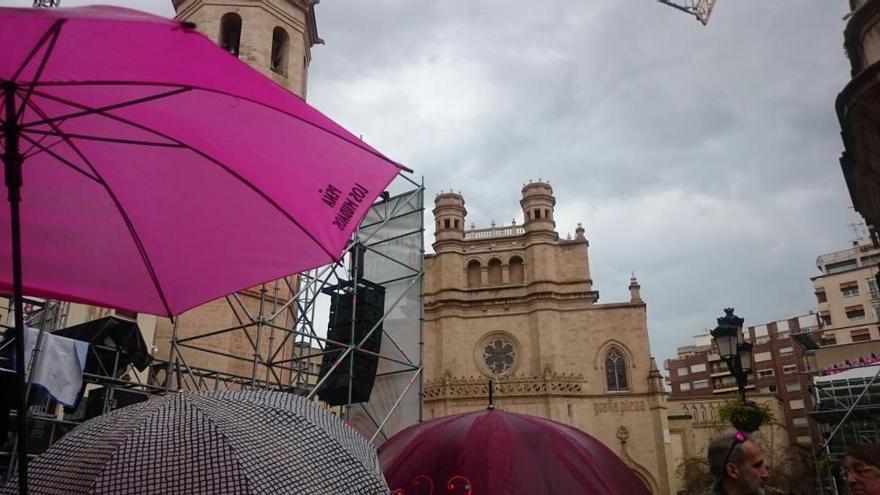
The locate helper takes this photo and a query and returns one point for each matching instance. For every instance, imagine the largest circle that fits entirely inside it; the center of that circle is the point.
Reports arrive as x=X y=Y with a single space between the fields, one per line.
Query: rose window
x=499 y=355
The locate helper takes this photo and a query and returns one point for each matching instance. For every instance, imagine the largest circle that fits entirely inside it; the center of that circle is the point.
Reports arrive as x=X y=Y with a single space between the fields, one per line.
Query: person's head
x=862 y=464
x=737 y=464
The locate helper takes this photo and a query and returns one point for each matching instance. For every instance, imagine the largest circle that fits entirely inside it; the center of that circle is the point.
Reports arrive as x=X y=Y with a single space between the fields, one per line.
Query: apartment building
x=779 y=368
x=847 y=295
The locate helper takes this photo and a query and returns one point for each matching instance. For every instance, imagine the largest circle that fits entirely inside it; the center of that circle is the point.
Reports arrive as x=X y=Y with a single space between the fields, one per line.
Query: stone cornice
x=639 y=304
x=474 y=292
x=585 y=296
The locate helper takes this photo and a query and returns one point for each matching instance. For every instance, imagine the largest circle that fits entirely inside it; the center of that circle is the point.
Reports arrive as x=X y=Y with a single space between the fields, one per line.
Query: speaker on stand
x=359 y=309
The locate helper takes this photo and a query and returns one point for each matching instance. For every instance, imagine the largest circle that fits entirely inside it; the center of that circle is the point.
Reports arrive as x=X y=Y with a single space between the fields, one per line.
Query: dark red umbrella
x=494 y=452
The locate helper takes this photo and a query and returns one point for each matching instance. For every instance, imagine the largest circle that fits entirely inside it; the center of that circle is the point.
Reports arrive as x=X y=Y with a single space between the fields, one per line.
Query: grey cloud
x=703 y=158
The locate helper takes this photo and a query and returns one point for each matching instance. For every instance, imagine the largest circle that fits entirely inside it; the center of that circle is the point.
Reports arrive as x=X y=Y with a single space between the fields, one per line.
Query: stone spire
x=635 y=295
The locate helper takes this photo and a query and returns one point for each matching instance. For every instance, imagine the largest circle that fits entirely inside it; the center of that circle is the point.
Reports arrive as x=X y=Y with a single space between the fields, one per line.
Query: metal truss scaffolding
x=278 y=332
x=847 y=410
x=113 y=379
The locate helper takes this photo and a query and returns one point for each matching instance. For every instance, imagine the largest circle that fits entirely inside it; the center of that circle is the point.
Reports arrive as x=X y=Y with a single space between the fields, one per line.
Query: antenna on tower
x=701 y=9
x=858 y=230
x=45 y=4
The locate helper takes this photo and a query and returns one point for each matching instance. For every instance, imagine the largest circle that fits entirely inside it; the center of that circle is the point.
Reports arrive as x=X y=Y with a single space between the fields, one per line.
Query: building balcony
x=493 y=232
x=731 y=389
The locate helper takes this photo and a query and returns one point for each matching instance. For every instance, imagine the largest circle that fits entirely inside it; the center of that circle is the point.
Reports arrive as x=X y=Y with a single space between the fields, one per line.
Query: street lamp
x=733 y=348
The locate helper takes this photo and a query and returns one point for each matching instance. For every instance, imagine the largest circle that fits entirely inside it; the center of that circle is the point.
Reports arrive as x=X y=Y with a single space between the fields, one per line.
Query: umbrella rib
x=30 y=151
x=131 y=422
x=569 y=441
x=104 y=139
x=58 y=157
x=54 y=31
x=354 y=142
x=137 y=240
x=203 y=154
x=83 y=113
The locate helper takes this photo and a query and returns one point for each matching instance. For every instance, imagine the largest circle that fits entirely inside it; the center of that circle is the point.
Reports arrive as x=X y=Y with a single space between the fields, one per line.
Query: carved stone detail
x=548 y=383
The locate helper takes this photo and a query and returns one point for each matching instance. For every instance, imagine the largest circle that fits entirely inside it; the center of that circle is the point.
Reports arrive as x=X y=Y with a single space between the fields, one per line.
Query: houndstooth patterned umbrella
x=231 y=442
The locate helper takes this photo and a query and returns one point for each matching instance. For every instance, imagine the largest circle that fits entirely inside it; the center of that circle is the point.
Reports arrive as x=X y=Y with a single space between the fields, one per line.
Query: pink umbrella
x=151 y=171
x=492 y=452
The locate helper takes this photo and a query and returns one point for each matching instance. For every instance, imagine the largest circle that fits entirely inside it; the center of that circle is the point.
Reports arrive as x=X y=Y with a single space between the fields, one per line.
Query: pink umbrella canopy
x=493 y=452
x=159 y=172
x=149 y=170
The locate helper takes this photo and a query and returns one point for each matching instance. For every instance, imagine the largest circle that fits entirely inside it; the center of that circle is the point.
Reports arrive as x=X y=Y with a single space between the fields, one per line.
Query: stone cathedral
x=516 y=304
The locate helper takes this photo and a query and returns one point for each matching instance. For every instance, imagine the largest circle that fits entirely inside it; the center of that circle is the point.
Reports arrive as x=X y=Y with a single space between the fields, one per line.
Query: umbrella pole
x=12 y=160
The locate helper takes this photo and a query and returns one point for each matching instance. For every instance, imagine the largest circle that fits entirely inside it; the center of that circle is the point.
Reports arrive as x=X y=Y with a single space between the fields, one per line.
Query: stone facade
x=516 y=304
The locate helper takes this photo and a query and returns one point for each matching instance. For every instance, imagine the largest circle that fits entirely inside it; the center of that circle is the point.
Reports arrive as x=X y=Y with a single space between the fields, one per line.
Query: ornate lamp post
x=733 y=349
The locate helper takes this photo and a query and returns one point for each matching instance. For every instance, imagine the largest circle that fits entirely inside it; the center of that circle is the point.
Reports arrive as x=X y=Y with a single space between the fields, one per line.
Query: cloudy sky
x=704 y=159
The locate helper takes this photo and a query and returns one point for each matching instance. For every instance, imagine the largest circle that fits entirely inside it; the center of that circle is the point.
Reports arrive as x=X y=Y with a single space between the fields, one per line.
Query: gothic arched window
x=615 y=371
x=473 y=274
x=280 y=46
x=230 y=32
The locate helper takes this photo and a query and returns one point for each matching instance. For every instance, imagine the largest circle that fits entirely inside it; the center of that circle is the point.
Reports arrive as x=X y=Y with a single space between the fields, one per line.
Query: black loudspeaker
x=369 y=306
x=103 y=400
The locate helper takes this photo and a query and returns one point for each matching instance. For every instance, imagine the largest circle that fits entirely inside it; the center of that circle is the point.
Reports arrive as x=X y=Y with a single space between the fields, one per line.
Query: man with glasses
x=737 y=464
x=862 y=466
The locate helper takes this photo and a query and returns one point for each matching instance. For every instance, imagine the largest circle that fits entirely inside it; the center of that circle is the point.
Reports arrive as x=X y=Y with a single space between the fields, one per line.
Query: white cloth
x=60 y=364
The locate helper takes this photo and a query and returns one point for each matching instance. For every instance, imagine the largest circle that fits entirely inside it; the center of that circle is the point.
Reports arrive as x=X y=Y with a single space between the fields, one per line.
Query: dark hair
x=869 y=453
x=717 y=452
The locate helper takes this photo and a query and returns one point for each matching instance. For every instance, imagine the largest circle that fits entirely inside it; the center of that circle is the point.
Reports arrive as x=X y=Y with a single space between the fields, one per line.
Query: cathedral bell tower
x=538 y=204
x=449 y=215
x=274 y=37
